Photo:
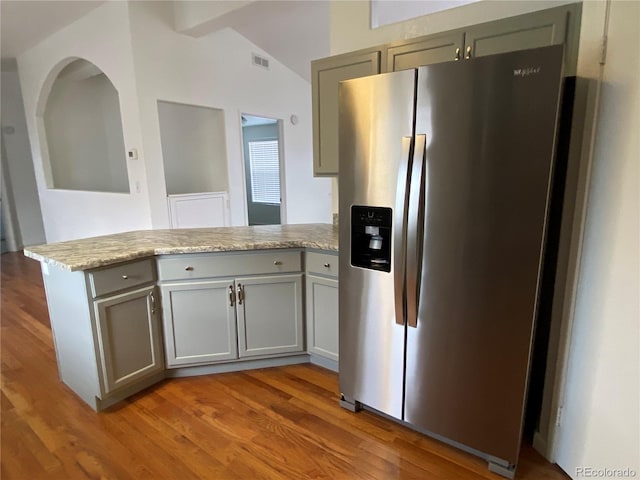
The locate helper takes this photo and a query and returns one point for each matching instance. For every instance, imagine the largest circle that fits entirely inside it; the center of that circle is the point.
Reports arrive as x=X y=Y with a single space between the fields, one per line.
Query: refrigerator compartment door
x=376 y=113
x=489 y=165
x=414 y=229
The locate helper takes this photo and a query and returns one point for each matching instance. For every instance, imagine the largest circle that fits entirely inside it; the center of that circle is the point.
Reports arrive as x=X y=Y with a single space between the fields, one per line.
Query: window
x=265 y=171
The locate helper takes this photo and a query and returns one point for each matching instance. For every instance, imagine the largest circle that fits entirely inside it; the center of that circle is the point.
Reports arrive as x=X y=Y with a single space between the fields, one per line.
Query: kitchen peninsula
x=130 y=309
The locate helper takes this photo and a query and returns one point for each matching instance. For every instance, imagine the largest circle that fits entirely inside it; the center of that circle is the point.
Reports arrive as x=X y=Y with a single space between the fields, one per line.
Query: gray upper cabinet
x=424 y=51
x=325 y=77
x=556 y=26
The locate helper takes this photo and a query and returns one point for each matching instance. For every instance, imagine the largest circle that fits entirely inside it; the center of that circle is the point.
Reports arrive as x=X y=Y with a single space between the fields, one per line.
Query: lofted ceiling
x=24 y=23
x=294 y=32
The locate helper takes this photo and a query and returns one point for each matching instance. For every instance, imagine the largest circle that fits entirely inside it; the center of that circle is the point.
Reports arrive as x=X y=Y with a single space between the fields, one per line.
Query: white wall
x=19 y=165
x=190 y=16
x=194 y=149
x=84 y=135
x=385 y=12
x=601 y=414
x=216 y=71
x=103 y=38
x=135 y=45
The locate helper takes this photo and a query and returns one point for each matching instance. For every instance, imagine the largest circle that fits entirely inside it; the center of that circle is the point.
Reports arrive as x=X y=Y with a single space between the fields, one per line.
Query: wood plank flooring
x=278 y=423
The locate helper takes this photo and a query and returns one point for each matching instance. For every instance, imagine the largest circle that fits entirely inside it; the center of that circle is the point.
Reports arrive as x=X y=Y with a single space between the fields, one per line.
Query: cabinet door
x=269 y=315
x=435 y=49
x=322 y=316
x=129 y=341
x=555 y=26
x=199 y=322
x=325 y=76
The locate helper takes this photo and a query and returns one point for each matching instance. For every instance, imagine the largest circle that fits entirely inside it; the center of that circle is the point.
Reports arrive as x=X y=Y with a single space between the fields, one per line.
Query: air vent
x=259 y=61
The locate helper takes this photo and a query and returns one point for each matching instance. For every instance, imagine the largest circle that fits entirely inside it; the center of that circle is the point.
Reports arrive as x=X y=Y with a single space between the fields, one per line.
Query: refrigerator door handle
x=415 y=228
x=400 y=231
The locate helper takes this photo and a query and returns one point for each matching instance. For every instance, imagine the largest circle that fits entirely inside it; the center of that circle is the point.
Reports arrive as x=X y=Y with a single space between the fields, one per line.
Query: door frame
x=9 y=224
x=283 y=189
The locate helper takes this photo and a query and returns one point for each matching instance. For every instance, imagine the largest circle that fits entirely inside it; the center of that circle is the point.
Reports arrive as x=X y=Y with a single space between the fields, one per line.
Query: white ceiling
x=25 y=23
x=292 y=32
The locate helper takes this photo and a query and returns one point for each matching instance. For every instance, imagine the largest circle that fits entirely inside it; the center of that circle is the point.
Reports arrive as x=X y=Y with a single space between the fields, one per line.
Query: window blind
x=265 y=171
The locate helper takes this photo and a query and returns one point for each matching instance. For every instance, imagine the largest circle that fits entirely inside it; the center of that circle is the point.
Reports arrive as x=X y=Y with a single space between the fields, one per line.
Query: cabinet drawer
x=322 y=263
x=128 y=275
x=186 y=267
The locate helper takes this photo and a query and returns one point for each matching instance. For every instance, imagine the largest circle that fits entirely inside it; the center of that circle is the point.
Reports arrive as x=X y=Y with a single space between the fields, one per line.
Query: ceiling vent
x=259 y=61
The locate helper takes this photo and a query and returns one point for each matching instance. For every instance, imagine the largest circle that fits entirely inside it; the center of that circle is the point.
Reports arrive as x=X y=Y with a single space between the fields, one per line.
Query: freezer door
x=490 y=125
x=376 y=127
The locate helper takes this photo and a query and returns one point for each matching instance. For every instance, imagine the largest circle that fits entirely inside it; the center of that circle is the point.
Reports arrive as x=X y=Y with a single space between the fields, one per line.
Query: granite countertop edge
x=90 y=253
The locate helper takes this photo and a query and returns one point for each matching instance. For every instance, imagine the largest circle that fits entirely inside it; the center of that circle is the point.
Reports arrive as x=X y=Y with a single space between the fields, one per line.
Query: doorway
x=262 y=147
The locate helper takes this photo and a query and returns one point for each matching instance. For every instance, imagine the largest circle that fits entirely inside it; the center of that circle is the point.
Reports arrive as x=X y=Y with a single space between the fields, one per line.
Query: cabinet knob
x=125 y=277
x=277 y=262
x=457 y=57
x=327 y=265
x=189 y=268
x=467 y=54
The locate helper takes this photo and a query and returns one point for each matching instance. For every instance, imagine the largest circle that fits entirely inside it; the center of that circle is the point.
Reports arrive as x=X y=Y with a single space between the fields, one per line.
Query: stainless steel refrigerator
x=444 y=187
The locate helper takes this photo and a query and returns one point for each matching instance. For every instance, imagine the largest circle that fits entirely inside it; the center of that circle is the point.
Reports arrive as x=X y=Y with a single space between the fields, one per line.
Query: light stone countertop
x=95 y=252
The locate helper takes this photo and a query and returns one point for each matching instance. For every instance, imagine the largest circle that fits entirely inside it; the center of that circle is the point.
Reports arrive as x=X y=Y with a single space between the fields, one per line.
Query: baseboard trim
x=540 y=445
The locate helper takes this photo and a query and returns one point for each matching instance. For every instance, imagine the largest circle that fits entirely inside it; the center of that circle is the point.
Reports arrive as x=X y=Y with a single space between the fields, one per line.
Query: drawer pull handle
x=240 y=294
x=231 y=295
x=189 y=268
x=125 y=277
x=153 y=302
x=277 y=262
x=327 y=265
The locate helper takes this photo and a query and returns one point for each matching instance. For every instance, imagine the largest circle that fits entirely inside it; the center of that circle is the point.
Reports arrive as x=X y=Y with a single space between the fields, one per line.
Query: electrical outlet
x=132 y=154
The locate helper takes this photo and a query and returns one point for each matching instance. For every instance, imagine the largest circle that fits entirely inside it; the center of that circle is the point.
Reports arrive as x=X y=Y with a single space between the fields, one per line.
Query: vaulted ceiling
x=292 y=32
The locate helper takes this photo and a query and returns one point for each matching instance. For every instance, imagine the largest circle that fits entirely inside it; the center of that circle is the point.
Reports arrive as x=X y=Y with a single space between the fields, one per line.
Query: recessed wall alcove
x=81 y=131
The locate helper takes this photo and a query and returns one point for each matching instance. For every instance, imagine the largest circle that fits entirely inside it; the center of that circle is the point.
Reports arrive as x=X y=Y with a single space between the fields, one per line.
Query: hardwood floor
x=278 y=423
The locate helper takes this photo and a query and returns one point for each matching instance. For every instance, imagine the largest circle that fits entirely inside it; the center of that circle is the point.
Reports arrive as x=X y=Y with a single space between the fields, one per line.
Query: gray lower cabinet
x=269 y=315
x=321 y=296
x=129 y=339
x=322 y=316
x=211 y=315
x=106 y=329
x=199 y=322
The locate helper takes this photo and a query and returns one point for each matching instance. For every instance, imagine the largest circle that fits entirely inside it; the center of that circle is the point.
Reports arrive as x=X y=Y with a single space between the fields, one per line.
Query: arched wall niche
x=80 y=129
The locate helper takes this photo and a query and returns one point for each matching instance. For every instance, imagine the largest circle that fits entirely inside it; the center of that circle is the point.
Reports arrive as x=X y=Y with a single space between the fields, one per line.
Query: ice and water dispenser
x=371 y=237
